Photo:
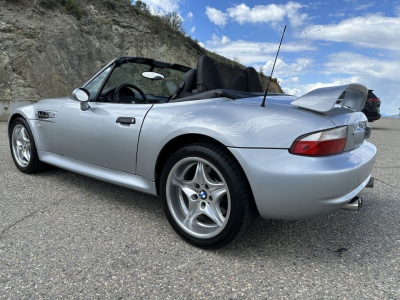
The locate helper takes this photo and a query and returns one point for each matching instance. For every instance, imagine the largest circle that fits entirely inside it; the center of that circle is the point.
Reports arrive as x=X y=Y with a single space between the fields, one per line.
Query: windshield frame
x=140 y=60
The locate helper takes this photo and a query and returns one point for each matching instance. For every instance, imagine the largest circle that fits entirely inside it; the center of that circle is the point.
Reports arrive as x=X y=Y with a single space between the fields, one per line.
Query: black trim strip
x=138 y=140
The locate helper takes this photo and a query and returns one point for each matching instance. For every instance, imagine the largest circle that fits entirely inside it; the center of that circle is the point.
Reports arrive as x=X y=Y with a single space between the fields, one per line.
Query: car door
x=95 y=137
x=107 y=133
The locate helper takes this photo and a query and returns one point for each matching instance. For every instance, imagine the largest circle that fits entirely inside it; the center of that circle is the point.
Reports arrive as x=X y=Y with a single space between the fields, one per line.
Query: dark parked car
x=372 y=107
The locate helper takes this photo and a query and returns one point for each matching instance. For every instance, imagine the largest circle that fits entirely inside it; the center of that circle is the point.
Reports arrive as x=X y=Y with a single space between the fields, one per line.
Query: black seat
x=187 y=85
x=253 y=81
x=207 y=78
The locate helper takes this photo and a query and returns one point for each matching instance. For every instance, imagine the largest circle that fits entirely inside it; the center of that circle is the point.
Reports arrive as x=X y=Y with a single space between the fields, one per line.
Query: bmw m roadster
x=200 y=139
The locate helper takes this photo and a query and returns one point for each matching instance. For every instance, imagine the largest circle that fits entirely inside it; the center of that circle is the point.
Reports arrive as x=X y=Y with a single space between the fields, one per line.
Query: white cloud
x=163 y=5
x=216 y=16
x=282 y=69
x=288 y=80
x=372 y=31
x=364 y=6
x=337 y=15
x=252 y=52
x=363 y=66
x=189 y=16
x=301 y=89
x=271 y=13
x=193 y=29
x=225 y=40
x=258 y=14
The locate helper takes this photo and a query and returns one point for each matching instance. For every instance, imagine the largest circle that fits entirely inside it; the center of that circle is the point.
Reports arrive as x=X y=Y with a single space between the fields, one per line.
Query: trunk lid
x=342 y=105
x=358 y=127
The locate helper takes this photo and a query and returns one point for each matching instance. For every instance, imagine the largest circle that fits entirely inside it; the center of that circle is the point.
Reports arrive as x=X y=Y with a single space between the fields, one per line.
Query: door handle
x=126 y=120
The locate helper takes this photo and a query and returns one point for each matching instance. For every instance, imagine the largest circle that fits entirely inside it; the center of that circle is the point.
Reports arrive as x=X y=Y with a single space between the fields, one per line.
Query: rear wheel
x=206 y=196
x=23 y=148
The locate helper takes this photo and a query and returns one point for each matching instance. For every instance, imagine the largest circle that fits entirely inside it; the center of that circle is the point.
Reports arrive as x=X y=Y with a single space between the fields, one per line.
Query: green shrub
x=49 y=3
x=72 y=7
x=141 y=6
x=114 y=4
x=174 y=20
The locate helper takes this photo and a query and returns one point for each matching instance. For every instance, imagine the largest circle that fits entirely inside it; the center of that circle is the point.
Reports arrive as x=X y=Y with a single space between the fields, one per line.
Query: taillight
x=373 y=100
x=321 y=143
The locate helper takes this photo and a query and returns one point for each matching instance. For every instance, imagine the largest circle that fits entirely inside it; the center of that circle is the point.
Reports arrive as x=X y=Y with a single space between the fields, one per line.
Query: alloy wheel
x=21 y=145
x=198 y=197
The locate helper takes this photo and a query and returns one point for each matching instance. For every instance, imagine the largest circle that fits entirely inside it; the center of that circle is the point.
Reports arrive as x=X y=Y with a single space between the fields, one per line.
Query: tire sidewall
x=234 y=223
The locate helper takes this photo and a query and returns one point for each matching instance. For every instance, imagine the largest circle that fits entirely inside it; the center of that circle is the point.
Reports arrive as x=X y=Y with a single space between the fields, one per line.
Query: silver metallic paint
x=291 y=187
x=234 y=123
x=285 y=186
x=112 y=176
x=93 y=136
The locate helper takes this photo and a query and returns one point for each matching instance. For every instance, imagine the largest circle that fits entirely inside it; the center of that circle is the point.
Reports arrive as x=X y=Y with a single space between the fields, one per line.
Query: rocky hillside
x=47 y=47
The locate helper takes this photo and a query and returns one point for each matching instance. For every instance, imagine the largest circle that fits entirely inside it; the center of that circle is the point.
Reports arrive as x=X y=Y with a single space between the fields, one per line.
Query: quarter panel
x=234 y=123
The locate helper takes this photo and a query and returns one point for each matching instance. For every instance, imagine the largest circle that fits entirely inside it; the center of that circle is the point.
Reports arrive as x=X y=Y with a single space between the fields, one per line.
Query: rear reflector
x=322 y=143
x=373 y=100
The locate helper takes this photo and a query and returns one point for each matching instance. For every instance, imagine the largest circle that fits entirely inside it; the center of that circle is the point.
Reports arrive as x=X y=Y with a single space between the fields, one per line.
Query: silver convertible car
x=200 y=139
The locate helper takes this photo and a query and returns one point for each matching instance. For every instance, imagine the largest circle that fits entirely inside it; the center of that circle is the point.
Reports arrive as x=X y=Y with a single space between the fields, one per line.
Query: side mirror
x=82 y=95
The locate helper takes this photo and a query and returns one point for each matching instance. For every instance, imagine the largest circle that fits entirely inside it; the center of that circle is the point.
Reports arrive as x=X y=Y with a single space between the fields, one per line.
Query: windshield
x=131 y=73
x=95 y=84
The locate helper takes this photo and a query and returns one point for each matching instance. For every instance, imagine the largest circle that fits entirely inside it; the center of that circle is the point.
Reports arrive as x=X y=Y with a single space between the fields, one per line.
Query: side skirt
x=116 y=177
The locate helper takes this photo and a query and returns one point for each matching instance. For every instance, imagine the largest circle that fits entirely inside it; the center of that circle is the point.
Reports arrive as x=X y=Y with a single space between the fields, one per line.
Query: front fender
x=27 y=112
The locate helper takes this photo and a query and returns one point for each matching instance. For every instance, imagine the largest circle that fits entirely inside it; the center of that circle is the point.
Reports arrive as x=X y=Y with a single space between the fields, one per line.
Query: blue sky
x=326 y=43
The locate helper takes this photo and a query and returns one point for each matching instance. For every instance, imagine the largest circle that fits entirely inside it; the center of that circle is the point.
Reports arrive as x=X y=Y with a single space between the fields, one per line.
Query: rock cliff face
x=47 y=52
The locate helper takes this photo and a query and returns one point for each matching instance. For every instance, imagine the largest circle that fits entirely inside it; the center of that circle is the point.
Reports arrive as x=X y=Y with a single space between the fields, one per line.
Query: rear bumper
x=372 y=115
x=291 y=187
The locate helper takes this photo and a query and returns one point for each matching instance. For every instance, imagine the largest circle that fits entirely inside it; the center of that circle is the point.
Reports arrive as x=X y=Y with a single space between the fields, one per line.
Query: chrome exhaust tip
x=355 y=204
x=370 y=183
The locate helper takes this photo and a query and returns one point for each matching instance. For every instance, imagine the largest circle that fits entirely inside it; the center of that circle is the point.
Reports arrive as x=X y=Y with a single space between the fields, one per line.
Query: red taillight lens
x=373 y=100
x=321 y=143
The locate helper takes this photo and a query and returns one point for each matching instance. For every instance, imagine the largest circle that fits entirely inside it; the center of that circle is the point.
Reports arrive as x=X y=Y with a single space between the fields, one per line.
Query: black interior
x=187 y=85
x=205 y=82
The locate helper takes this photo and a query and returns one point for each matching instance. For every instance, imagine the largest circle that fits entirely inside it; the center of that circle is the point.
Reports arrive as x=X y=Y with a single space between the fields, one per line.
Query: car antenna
x=276 y=57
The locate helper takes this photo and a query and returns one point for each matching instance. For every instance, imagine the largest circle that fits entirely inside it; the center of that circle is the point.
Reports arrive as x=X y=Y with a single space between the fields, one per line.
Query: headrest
x=207 y=75
x=253 y=81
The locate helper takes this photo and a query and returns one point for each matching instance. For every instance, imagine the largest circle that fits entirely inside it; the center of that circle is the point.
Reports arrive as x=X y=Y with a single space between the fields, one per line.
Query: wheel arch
x=12 y=119
x=181 y=141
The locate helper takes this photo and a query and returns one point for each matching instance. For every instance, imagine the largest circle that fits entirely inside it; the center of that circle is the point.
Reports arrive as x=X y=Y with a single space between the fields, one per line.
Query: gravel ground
x=63 y=235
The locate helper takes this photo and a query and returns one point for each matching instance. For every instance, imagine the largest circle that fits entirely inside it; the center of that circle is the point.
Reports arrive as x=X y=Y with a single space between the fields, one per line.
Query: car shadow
x=382 y=128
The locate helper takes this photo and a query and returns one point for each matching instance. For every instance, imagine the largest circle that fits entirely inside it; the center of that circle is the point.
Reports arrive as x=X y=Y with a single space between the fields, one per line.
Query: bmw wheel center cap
x=203 y=195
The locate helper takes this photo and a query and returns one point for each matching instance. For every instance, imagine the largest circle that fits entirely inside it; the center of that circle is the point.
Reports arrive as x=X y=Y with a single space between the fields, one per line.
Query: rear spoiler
x=323 y=100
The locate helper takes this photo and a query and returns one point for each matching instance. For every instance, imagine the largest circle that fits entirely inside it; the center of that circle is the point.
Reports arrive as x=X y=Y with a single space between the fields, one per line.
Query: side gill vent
x=45 y=115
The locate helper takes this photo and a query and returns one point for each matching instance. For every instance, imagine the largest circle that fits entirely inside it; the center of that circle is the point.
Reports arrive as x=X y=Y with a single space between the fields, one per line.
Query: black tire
x=34 y=165
x=243 y=210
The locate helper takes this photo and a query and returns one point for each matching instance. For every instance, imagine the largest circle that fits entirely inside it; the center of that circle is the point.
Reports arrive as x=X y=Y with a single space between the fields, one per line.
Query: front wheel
x=206 y=196
x=23 y=147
